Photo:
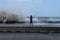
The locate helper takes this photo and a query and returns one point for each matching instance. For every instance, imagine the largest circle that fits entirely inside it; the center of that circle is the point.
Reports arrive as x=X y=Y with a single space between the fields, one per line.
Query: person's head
x=30 y=15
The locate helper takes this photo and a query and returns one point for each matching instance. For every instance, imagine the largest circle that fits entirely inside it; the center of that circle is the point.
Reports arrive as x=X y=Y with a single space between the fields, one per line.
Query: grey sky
x=34 y=7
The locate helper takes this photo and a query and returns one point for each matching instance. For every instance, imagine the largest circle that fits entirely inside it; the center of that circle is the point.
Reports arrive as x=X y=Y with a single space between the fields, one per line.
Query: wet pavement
x=29 y=36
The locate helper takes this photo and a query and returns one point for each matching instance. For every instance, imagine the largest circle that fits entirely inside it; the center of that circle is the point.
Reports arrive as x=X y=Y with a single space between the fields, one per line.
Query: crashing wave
x=7 y=16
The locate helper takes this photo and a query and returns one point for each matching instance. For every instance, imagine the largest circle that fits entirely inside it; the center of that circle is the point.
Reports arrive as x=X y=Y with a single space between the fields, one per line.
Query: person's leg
x=31 y=24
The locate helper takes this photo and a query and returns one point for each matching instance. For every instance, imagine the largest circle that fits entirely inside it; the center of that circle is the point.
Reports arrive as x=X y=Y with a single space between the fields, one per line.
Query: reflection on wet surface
x=29 y=36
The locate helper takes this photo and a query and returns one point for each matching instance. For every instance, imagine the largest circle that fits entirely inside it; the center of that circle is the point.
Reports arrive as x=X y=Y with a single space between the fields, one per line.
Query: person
x=31 y=20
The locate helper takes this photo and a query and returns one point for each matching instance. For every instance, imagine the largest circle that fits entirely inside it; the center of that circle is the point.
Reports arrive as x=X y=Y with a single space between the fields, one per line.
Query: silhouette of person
x=31 y=21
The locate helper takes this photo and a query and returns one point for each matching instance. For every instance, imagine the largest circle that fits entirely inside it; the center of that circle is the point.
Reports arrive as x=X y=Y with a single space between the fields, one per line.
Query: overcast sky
x=32 y=7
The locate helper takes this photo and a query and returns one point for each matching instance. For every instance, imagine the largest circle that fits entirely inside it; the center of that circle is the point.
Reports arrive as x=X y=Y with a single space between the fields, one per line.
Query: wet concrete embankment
x=10 y=28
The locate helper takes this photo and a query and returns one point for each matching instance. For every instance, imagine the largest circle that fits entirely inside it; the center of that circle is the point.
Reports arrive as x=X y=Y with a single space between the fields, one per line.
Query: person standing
x=31 y=20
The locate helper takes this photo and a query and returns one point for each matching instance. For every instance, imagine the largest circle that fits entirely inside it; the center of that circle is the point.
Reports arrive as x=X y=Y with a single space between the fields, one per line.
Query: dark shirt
x=31 y=19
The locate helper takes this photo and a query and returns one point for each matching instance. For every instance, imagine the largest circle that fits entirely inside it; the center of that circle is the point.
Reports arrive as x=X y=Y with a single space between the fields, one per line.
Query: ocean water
x=34 y=25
